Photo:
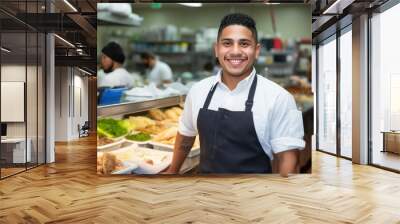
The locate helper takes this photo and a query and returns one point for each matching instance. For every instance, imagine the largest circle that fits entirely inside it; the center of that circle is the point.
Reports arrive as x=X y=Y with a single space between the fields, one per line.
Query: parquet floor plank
x=70 y=191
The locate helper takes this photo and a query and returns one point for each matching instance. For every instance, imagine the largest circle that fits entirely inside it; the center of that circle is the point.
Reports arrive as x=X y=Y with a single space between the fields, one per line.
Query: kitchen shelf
x=135 y=107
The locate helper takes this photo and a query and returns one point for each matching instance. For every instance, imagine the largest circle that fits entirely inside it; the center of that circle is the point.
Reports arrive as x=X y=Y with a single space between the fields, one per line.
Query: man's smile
x=236 y=61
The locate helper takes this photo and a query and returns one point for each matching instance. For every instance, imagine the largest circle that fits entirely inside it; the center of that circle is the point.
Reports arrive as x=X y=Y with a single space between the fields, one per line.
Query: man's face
x=236 y=50
x=146 y=62
x=106 y=63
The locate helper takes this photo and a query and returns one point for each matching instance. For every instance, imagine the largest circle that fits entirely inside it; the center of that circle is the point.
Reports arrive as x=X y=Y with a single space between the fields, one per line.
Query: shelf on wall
x=134 y=107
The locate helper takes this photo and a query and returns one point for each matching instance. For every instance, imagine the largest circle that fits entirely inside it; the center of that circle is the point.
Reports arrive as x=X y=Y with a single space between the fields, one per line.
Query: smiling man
x=242 y=118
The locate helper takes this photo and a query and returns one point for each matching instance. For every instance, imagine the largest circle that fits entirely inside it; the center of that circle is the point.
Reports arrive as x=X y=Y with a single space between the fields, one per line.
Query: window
x=327 y=96
x=385 y=89
x=346 y=93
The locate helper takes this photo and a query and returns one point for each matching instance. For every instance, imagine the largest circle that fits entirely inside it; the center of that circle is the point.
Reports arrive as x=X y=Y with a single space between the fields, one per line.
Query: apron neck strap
x=250 y=98
x=209 y=96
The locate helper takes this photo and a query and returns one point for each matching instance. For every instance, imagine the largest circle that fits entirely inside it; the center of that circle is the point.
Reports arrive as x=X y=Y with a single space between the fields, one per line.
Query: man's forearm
x=183 y=145
x=287 y=162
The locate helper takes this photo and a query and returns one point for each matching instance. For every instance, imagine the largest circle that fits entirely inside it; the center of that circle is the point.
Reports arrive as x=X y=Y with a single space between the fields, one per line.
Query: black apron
x=228 y=139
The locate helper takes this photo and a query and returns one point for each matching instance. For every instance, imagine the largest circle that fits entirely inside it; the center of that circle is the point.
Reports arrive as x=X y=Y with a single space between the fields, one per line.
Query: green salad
x=111 y=128
x=140 y=137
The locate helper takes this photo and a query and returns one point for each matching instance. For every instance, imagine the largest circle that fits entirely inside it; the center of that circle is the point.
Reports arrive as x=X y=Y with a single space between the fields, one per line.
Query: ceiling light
x=70 y=5
x=272 y=3
x=337 y=7
x=84 y=71
x=191 y=4
x=65 y=41
x=5 y=50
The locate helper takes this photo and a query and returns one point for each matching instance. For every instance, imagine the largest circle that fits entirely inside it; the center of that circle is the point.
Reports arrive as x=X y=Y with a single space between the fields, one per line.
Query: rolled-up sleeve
x=286 y=125
x=186 y=125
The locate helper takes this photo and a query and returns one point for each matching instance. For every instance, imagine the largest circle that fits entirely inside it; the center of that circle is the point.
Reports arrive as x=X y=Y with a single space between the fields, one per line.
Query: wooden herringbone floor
x=69 y=191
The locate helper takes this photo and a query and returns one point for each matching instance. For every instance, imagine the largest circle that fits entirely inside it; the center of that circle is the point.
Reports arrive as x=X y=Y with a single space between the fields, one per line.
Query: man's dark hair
x=238 y=19
x=147 y=55
x=114 y=51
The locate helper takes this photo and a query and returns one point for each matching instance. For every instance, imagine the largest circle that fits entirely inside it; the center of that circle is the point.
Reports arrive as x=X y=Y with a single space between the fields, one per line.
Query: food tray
x=138 y=142
x=135 y=154
x=112 y=146
x=129 y=167
x=170 y=148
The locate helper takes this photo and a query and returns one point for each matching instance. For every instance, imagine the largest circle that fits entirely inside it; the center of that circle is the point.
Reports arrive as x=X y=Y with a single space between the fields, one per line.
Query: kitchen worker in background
x=160 y=73
x=113 y=74
x=216 y=67
x=242 y=118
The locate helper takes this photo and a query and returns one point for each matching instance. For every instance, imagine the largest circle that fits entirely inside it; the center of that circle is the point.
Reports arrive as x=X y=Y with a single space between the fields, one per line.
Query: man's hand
x=183 y=145
x=168 y=171
x=287 y=162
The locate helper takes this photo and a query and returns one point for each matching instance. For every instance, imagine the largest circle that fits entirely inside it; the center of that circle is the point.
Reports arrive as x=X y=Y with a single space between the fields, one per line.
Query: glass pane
x=327 y=97
x=13 y=85
x=32 y=96
x=41 y=99
x=385 y=86
x=314 y=84
x=346 y=94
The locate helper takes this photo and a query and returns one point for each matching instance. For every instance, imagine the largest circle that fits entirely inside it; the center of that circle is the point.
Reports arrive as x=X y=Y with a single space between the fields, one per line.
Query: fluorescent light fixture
x=84 y=71
x=65 y=41
x=70 y=5
x=272 y=3
x=191 y=4
x=338 y=6
x=5 y=50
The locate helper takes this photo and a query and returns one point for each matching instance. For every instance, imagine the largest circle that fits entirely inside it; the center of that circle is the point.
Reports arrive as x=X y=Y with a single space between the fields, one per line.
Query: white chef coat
x=278 y=123
x=159 y=73
x=118 y=77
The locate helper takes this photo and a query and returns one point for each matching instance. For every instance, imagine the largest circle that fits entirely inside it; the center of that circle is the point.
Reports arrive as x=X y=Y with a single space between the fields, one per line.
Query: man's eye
x=244 y=44
x=226 y=44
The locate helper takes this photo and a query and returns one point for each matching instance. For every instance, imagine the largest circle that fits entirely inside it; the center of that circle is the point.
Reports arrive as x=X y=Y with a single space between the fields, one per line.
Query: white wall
x=292 y=21
x=34 y=124
x=12 y=73
x=61 y=103
x=71 y=94
x=80 y=109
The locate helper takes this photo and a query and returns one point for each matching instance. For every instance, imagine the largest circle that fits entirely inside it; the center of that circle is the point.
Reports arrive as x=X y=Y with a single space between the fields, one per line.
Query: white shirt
x=159 y=73
x=278 y=123
x=118 y=77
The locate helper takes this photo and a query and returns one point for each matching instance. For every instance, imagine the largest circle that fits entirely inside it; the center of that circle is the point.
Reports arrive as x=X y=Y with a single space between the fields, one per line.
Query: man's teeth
x=235 y=61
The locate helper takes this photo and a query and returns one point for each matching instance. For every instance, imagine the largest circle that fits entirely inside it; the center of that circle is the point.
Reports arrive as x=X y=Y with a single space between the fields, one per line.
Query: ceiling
x=72 y=20
x=328 y=15
x=79 y=27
